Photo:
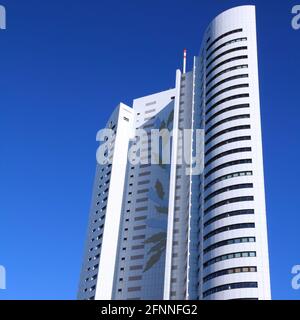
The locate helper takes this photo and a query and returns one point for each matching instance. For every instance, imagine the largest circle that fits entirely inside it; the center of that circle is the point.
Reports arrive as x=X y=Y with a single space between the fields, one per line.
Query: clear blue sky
x=64 y=66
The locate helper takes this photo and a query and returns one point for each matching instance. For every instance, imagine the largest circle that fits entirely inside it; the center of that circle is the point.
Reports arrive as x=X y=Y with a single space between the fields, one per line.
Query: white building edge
x=157 y=233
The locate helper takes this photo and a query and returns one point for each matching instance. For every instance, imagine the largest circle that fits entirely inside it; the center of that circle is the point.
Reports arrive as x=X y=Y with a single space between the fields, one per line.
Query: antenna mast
x=184 y=61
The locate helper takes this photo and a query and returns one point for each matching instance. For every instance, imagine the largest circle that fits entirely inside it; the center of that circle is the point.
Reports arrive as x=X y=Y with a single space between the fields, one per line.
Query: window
x=150 y=104
x=224 y=53
x=140 y=227
x=220 y=144
x=235 y=255
x=142 y=191
x=225 y=62
x=140 y=218
x=227 y=164
x=141 y=209
x=132 y=289
x=238 y=285
x=226 y=153
x=137 y=257
x=141 y=200
x=238 y=96
x=138 y=247
x=94 y=277
x=220 y=133
x=239 y=76
x=229 y=228
x=143 y=182
x=238 y=86
x=144 y=165
x=135 y=278
x=95 y=266
x=225 y=44
x=147 y=173
x=136 y=267
x=139 y=237
x=229 y=176
x=242 y=66
x=223 y=36
x=228 y=188
x=229 y=271
x=228 y=242
x=227 y=215
x=228 y=201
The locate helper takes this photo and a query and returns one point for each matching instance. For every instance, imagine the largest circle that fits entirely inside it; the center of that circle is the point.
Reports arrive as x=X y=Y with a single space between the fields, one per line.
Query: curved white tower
x=234 y=250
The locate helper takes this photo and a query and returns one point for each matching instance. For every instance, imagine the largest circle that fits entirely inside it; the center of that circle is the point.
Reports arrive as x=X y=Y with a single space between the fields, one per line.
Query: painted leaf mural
x=153 y=260
x=163 y=125
x=158 y=196
x=159 y=189
x=158 y=240
x=163 y=210
x=159 y=245
x=170 y=119
x=155 y=238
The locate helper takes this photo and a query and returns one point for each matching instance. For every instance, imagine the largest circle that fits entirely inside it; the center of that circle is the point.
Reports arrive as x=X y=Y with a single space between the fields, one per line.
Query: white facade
x=143 y=234
x=103 y=234
x=169 y=235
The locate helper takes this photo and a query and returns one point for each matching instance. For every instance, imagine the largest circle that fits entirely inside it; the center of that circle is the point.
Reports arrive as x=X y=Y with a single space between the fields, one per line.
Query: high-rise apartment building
x=159 y=231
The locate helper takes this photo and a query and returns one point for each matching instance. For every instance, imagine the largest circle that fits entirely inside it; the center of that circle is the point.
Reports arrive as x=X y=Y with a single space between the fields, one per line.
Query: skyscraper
x=161 y=231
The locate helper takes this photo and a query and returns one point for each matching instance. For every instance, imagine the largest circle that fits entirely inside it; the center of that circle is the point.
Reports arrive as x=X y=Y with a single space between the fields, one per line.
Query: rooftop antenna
x=184 y=61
